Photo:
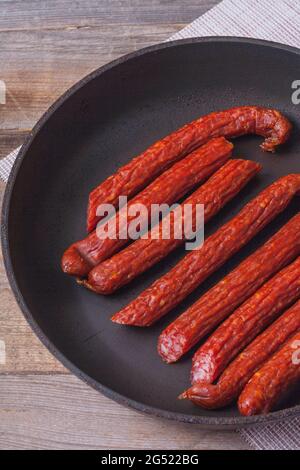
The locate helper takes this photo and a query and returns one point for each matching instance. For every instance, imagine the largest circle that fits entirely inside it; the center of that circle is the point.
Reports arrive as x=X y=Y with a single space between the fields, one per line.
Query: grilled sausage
x=237 y=374
x=270 y=383
x=140 y=171
x=221 y=300
x=169 y=290
x=82 y=256
x=246 y=323
x=122 y=268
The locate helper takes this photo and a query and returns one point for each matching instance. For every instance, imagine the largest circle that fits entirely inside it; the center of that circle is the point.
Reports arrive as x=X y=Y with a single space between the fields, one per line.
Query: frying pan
x=96 y=126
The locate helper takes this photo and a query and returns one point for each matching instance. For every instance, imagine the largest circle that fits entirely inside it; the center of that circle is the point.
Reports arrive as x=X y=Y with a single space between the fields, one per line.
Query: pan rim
x=204 y=421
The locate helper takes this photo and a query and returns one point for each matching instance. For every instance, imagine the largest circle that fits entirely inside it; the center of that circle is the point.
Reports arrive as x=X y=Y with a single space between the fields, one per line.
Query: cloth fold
x=6 y=164
x=277 y=21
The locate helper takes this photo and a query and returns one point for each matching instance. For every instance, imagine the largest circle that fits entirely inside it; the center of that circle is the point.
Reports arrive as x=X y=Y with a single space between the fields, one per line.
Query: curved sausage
x=169 y=290
x=140 y=171
x=83 y=255
x=140 y=255
x=270 y=383
x=237 y=374
x=221 y=300
x=246 y=323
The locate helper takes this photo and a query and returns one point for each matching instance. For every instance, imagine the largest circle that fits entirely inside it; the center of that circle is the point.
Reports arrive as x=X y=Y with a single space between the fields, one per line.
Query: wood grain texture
x=48 y=46
x=61 y=412
x=45 y=48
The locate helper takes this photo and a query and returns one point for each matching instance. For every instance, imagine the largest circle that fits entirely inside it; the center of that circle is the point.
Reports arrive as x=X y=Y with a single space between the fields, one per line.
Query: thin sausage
x=169 y=290
x=246 y=323
x=221 y=300
x=122 y=268
x=237 y=374
x=270 y=383
x=140 y=171
x=82 y=256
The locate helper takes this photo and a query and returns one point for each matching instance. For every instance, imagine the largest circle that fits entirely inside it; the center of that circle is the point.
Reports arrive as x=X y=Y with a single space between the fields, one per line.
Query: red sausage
x=82 y=256
x=221 y=300
x=140 y=171
x=270 y=383
x=122 y=268
x=246 y=323
x=237 y=374
x=169 y=290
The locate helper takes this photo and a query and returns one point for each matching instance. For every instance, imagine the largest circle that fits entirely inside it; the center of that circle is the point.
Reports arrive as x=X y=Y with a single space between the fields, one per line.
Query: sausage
x=122 y=268
x=246 y=323
x=221 y=300
x=270 y=383
x=140 y=171
x=167 y=188
x=169 y=290
x=237 y=374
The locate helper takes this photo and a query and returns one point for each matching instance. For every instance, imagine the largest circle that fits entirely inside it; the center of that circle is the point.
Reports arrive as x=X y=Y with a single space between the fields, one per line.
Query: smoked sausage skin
x=222 y=299
x=174 y=183
x=237 y=374
x=270 y=383
x=169 y=290
x=140 y=255
x=246 y=323
x=140 y=171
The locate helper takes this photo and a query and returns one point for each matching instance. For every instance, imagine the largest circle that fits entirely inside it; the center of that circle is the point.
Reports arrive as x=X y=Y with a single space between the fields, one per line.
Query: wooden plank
x=11 y=139
x=37 y=67
x=47 y=46
x=61 y=412
x=42 y=14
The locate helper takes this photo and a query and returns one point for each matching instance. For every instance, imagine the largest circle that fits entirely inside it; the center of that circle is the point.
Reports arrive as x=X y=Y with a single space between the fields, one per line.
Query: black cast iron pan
x=98 y=125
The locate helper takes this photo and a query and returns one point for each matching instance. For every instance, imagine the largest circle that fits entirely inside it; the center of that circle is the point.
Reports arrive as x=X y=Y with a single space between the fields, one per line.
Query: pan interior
x=112 y=117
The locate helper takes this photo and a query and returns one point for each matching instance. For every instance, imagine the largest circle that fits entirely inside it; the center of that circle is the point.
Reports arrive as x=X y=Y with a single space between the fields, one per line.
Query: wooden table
x=45 y=48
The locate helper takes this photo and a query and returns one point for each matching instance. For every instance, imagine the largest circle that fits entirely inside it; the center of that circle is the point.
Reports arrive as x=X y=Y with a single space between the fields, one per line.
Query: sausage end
x=73 y=263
